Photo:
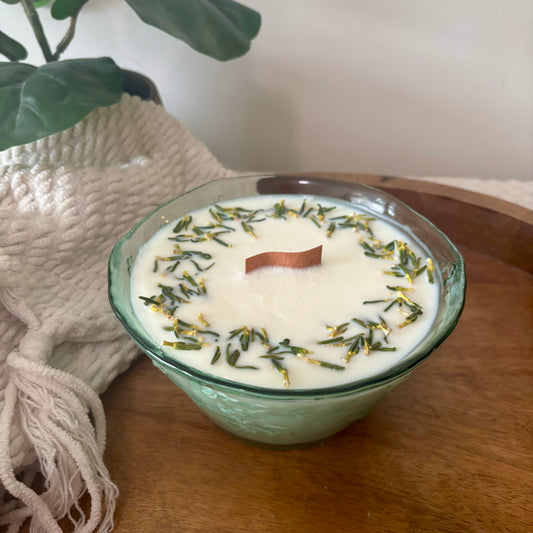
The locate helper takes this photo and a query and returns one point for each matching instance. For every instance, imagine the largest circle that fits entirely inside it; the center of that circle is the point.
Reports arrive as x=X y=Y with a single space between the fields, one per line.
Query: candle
x=361 y=309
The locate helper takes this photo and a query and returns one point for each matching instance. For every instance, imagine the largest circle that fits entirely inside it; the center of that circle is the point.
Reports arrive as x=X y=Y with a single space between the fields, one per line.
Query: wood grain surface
x=449 y=450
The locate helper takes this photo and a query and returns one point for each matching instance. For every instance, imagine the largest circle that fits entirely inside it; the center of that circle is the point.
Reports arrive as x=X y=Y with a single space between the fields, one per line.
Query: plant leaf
x=63 y=9
x=12 y=49
x=36 y=102
x=11 y=1
x=221 y=29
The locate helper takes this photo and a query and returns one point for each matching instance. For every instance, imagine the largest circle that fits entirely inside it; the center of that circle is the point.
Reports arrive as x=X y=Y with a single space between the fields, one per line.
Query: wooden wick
x=285 y=259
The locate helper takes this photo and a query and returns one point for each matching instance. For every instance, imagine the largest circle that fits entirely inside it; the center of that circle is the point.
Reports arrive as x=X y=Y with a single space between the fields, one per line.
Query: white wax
x=297 y=304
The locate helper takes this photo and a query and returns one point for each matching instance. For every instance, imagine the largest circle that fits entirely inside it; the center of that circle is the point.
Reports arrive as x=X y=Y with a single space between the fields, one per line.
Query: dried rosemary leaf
x=248 y=229
x=216 y=355
x=332 y=341
x=282 y=370
x=183 y=345
x=182 y=224
x=324 y=364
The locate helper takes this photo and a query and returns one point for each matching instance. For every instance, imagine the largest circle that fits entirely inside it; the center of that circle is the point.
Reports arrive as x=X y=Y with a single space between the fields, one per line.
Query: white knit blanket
x=64 y=202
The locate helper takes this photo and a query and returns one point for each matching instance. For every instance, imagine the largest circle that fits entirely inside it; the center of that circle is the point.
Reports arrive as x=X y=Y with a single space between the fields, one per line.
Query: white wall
x=403 y=87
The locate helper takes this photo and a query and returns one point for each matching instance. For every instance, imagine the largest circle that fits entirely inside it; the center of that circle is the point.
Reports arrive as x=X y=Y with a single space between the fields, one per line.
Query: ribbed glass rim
x=375 y=201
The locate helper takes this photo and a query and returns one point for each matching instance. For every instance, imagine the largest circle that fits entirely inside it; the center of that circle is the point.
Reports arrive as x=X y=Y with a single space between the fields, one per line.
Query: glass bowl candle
x=286 y=307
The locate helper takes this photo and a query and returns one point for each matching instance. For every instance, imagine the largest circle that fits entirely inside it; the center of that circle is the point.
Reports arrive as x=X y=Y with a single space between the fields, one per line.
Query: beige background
x=404 y=87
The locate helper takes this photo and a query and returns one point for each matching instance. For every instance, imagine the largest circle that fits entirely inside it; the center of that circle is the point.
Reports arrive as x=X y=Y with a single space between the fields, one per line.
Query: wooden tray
x=448 y=450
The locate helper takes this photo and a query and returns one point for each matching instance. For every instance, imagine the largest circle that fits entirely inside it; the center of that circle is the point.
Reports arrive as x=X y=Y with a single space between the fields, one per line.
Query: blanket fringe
x=64 y=421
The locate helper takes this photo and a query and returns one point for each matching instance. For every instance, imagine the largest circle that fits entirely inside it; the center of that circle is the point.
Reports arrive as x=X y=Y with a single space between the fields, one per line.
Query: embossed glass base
x=279 y=422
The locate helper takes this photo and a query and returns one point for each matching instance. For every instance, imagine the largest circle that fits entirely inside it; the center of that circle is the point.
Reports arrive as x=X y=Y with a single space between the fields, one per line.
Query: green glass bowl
x=284 y=417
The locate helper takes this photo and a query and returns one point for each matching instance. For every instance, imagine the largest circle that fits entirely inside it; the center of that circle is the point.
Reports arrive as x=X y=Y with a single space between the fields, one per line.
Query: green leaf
x=36 y=102
x=221 y=29
x=12 y=49
x=14 y=73
x=11 y=1
x=63 y=9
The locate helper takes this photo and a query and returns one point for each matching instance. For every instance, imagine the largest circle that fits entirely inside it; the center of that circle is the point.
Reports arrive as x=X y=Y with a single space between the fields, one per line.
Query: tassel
x=63 y=420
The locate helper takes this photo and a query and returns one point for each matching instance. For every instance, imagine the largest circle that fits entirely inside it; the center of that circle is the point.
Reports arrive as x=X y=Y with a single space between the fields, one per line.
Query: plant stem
x=69 y=35
x=37 y=27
